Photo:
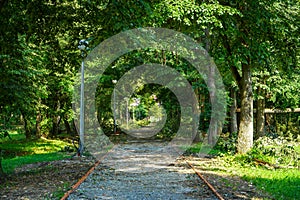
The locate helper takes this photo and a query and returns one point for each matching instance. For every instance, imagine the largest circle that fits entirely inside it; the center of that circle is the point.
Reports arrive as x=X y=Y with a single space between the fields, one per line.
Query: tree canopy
x=255 y=45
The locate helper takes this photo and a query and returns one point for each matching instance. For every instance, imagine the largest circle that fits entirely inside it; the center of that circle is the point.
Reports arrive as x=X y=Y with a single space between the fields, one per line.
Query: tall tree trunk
x=26 y=126
x=55 y=117
x=245 y=136
x=214 y=126
x=55 y=126
x=74 y=127
x=1 y=168
x=68 y=127
x=233 y=115
x=260 y=114
x=2 y=174
x=201 y=117
x=38 y=124
x=197 y=136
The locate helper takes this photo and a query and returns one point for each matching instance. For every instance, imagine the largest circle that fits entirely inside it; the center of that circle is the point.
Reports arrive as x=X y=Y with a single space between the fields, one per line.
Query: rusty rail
x=206 y=182
x=82 y=179
x=74 y=187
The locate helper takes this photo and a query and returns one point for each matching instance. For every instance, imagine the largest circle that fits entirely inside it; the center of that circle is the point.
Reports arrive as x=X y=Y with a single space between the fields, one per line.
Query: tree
x=39 y=56
x=20 y=60
x=38 y=61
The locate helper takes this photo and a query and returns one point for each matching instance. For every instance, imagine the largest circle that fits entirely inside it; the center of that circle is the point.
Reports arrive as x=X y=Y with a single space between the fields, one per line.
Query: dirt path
x=142 y=171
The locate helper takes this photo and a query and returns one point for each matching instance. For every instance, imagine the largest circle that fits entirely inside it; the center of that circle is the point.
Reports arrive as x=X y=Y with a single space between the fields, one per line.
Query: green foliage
x=39 y=57
x=279 y=151
x=193 y=149
x=4 y=134
x=226 y=143
x=271 y=152
x=187 y=15
x=280 y=183
x=143 y=122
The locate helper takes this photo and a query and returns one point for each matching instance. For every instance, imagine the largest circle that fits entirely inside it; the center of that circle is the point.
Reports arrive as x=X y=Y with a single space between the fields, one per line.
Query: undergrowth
x=275 y=150
x=272 y=164
x=281 y=183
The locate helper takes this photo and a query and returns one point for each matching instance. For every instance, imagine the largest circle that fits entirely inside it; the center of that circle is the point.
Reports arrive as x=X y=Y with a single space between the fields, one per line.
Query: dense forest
x=255 y=45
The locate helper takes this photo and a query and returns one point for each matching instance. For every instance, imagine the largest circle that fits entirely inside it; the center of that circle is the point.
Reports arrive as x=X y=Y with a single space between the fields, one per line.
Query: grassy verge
x=10 y=164
x=282 y=183
x=20 y=151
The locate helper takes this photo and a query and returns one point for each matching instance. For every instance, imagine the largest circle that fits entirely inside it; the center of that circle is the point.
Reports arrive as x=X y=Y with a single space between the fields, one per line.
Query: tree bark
x=214 y=126
x=38 y=124
x=245 y=135
x=74 y=127
x=233 y=115
x=260 y=115
x=197 y=136
x=2 y=174
x=26 y=126
x=68 y=127
x=55 y=126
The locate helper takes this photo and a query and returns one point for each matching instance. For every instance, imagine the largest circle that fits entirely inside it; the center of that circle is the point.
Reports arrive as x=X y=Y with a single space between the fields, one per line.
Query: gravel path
x=142 y=170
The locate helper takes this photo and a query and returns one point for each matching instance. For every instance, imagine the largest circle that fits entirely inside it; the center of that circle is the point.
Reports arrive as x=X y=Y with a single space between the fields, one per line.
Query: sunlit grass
x=20 y=151
x=35 y=146
x=280 y=183
x=19 y=141
x=10 y=164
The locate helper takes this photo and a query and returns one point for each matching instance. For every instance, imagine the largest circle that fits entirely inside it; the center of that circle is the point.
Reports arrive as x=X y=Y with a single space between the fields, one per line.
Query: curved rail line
x=205 y=181
x=83 y=178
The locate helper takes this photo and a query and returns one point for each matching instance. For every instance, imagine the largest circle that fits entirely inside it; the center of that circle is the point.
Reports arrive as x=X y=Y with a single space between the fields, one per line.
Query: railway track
x=210 y=186
x=134 y=171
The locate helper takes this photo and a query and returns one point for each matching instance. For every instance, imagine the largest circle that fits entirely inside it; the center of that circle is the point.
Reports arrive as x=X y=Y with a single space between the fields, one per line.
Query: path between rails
x=142 y=170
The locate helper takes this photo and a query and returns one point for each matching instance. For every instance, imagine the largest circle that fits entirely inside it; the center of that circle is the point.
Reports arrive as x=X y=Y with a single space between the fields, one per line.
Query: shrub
x=277 y=150
x=227 y=143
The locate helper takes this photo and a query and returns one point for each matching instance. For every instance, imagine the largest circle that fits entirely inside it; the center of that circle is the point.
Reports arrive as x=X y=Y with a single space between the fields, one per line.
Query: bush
x=227 y=143
x=279 y=150
x=143 y=122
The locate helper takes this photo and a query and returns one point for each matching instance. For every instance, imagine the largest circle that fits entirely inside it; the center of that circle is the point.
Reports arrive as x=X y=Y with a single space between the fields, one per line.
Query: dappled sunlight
x=139 y=157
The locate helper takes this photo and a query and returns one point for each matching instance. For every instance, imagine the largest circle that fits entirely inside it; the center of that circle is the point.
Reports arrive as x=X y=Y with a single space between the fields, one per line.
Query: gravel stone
x=142 y=171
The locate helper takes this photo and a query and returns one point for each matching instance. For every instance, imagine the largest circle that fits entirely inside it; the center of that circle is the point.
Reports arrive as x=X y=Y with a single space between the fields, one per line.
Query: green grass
x=34 y=146
x=20 y=151
x=281 y=183
x=10 y=164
